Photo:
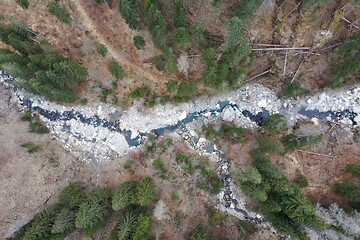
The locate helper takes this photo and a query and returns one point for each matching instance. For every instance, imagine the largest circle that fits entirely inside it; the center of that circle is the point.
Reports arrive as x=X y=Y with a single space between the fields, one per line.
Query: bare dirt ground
x=28 y=181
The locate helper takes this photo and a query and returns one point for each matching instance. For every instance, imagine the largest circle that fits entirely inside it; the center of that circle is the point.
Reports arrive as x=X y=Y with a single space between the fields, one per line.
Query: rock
x=182 y=116
x=357 y=119
x=309 y=101
x=356 y=109
x=262 y=103
x=192 y=133
x=315 y=121
x=122 y=126
x=134 y=134
x=347 y=121
x=208 y=114
x=201 y=140
x=322 y=97
x=228 y=114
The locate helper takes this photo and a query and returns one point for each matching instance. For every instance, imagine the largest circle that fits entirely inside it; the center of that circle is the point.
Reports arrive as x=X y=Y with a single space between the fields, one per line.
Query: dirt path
x=88 y=23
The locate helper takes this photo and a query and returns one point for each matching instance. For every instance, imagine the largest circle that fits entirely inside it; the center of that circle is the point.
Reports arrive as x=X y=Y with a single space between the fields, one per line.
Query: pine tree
x=59 y=11
x=92 y=214
x=124 y=195
x=145 y=192
x=116 y=70
x=40 y=227
x=126 y=225
x=23 y=3
x=233 y=36
x=179 y=15
x=128 y=12
x=181 y=38
x=64 y=222
x=141 y=228
x=197 y=33
x=72 y=195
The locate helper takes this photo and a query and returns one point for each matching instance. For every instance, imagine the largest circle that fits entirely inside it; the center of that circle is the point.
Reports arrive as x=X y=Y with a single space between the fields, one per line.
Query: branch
x=313 y=153
x=291 y=11
x=247 y=80
x=350 y=23
x=297 y=71
x=286 y=56
x=266 y=45
x=280 y=49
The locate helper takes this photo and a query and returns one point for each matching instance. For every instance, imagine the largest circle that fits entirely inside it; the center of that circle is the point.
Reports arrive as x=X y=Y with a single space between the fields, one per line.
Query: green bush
x=128 y=12
x=145 y=192
x=116 y=70
x=187 y=89
x=38 y=127
x=26 y=117
x=150 y=101
x=101 y=49
x=216 y=3
x=140 y=92
x=139 y=42
x=200 y=233
x=354 y=169
x=213 y=185
x=23 y=3
x=172 y=85
x=350 y=64
x=275 y=123
x=160 y=63
x=210 y=132
x=343 y=70
x=267 y=144
x=301 y=180
x=179 y=219
x=294 y=89
x=31 y=147
x=351 y=47
x=157 y=164
x=60 y=12
x=350 y=190
x=124 y=195
x=246 y=228
x=128 y=164
x=72 y=195
x=293 y=142
x=214 y=216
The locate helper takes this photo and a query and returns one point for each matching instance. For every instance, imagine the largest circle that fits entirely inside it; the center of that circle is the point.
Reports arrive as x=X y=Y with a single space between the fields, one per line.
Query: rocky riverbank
x=92 y=133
